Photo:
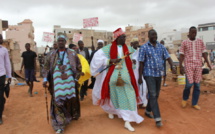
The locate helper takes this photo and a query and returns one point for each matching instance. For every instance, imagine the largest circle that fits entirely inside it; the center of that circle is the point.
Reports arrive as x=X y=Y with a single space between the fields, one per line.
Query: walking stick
x=47 y=110
x=112 y=64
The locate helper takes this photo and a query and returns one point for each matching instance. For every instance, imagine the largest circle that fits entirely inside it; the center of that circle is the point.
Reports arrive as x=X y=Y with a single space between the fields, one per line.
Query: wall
x=22 y=33
x=87 y=33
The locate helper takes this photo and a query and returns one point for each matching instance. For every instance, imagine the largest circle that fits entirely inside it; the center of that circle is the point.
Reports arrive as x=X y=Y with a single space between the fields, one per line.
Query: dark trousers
x=2 y=99
x=93 y=80
x=84 y=88
x=153 y=84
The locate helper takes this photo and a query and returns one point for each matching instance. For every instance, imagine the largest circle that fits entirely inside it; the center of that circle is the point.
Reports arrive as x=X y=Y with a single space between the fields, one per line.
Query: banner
x=90 y=22
x=48 y=37
x=77 y=37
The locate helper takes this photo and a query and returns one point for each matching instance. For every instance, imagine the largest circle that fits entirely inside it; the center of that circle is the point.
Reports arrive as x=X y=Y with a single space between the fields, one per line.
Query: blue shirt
x=153 y=58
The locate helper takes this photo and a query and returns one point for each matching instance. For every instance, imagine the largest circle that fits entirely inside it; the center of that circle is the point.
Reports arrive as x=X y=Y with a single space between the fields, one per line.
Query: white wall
x=206 y=36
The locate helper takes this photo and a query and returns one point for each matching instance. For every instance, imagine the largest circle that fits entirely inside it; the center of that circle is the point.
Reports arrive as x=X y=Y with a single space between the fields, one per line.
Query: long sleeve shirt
x=5 y=67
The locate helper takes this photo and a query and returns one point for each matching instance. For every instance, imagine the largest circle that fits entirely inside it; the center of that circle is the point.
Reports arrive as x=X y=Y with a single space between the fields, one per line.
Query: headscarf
x=100 y=41
x=134 y=39
x=62 y=36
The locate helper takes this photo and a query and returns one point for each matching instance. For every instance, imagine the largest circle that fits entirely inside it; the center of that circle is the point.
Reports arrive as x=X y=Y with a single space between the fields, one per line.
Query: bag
x=7 y=89
x=205 y=71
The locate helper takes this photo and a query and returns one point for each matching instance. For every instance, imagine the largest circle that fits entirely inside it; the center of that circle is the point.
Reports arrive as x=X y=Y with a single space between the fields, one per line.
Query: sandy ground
x=27 y=115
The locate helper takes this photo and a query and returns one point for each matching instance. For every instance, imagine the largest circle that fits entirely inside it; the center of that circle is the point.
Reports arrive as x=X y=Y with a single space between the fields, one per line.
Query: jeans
x=196 y=92
x=2 y=99
x=153 y=84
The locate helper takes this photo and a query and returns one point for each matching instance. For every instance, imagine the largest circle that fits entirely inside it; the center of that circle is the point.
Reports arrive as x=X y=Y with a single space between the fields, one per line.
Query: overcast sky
x=165 y=15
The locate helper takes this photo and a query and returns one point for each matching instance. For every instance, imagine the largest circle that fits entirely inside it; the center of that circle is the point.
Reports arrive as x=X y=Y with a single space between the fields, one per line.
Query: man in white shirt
x=5 y=69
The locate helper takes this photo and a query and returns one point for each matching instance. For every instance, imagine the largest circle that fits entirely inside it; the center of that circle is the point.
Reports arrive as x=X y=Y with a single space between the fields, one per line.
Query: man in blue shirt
x=151 y=58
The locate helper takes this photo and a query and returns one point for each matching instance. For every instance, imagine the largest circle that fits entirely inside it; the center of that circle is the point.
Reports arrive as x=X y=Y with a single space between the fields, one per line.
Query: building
x=174 y=38
x=139 y=32
x=22 y=33
x=3 y=25
x=170 y=36
x=86 y=34
x=206 y=32
x=14 y=53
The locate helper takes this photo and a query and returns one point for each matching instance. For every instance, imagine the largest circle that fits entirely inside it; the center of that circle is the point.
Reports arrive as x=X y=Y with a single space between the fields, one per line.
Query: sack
x=7 y=89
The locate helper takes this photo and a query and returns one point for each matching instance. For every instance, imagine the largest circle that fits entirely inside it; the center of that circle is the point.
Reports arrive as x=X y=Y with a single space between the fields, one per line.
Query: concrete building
x=170 y=36
x=14 y=53
x=22 y=33
x=137 y=31
x=86 y=33
x=174 y=38
x=3 y=25
x=206 y=32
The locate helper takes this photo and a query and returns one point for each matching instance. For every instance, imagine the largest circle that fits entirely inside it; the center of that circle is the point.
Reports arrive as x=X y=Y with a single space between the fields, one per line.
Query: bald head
x=81 y=44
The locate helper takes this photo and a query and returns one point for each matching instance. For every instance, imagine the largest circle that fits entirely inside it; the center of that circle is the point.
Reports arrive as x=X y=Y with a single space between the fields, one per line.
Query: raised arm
x=92 y=47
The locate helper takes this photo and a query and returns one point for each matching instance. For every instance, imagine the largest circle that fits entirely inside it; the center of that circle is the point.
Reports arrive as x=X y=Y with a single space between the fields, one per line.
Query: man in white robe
x=143 y=91
x=118 y=99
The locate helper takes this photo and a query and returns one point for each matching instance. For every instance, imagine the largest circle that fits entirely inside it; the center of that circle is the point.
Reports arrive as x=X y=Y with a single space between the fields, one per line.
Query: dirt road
x=27 y=115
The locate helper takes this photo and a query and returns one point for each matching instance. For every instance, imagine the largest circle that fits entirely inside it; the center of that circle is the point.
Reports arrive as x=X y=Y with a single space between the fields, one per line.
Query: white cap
x=100 y=41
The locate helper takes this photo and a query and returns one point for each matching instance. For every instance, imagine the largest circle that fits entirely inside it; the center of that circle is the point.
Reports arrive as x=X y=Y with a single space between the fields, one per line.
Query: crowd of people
x=122 y=76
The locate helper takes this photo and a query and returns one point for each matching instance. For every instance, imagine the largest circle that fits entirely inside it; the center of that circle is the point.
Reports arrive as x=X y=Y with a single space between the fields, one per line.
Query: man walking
x=100 y=44
x=191 y=53
x=164 y=60
x=5 y=69
x=116 y=88
x=142 y=87
x=151 y=57
x=84 y=52
x=62 y=70
x=29 y=63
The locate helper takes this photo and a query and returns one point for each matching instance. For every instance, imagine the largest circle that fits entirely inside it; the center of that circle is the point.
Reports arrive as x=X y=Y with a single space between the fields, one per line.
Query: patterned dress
x=192 y=51
x=63 y=89
x=65 y=104
x=122 y=97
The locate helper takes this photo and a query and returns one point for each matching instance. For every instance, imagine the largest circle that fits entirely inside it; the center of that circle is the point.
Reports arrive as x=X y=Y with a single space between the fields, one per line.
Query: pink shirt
x=192 y=51
x=5 y=67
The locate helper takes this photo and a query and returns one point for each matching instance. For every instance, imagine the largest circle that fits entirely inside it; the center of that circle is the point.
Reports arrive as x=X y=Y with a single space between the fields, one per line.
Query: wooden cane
x=47 y=110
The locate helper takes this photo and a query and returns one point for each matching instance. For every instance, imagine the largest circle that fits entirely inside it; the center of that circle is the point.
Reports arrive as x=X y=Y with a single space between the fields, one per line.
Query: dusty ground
x=26 y=115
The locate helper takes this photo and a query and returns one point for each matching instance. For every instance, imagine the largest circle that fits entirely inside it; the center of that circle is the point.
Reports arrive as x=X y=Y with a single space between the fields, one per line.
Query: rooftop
x=207 y=24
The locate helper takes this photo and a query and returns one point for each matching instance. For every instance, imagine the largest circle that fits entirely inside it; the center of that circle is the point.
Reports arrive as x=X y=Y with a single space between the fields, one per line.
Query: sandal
x=59 y=131
x=165 y=85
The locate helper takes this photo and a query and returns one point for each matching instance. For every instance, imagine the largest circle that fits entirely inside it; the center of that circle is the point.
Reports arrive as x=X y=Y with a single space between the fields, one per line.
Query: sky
x=165 y=15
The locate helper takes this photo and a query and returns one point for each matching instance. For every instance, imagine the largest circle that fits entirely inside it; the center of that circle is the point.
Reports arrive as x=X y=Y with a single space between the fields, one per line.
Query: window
x=205 y=29
x=210 y=28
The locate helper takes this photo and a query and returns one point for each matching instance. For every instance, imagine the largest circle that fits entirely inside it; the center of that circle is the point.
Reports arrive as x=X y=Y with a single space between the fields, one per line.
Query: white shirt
x=5 y=67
